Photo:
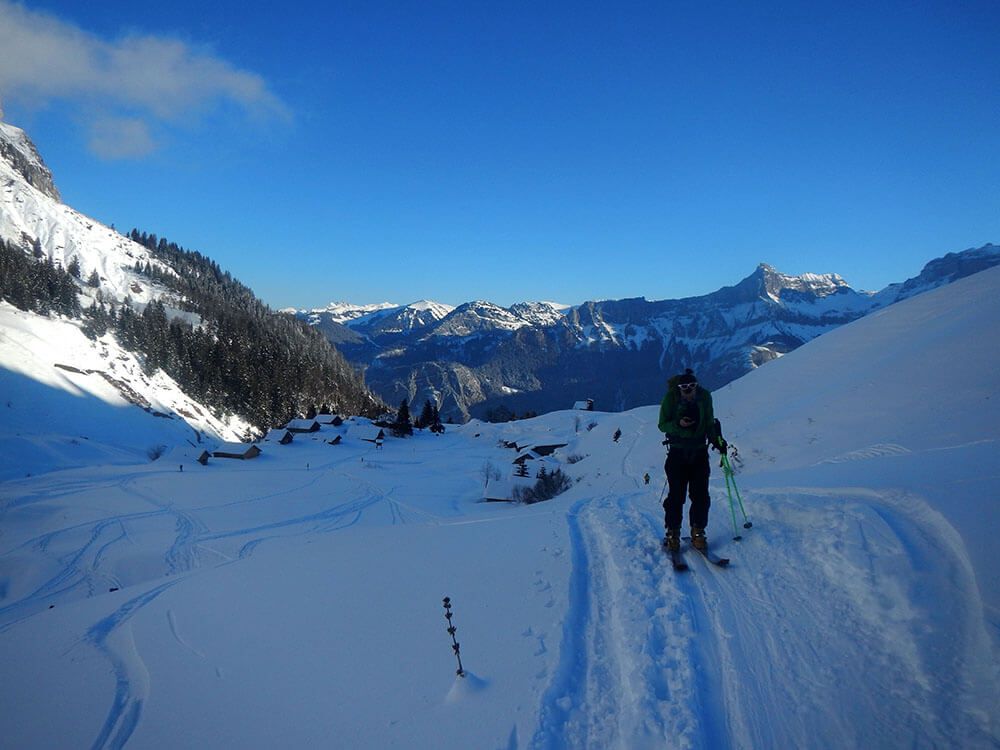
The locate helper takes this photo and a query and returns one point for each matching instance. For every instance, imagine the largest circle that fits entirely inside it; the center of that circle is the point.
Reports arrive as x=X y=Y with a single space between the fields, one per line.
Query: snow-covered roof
x=366 y=432
x=248 y=450
x=530 y=455
x=303 y=425
x=547 y=450
x=499 y=489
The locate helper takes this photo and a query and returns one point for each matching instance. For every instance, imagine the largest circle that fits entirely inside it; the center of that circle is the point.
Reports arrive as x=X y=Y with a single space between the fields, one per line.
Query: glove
x=721 y=445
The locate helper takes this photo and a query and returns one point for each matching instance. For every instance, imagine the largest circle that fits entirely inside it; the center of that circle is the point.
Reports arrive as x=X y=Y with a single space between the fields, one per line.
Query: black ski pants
x=687 y=472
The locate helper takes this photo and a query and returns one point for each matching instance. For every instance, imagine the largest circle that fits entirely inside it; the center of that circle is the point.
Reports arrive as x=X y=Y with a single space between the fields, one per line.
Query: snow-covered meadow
x=295 y=600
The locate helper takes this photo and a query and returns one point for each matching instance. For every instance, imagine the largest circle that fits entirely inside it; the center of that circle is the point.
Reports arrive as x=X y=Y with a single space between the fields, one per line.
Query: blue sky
x=370 y=151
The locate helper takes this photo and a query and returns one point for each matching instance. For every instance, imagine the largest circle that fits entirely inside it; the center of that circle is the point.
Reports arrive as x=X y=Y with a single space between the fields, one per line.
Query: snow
x=341 y=312
x=69 y=402
x=27 y=214
x=296 y=600
x=350 y=314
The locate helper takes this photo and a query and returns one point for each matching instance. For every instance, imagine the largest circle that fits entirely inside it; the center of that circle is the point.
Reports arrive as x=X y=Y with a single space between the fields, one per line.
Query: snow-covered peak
x=540 y=313
x=820 y=285
x=31 y=217
x=437 y=309
x=344 y=312
x=478 y=316
x=19 y=153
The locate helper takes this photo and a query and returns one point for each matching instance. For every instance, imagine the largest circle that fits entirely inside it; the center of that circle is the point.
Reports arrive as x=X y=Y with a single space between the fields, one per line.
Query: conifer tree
x=426 y=418
x=402 y=426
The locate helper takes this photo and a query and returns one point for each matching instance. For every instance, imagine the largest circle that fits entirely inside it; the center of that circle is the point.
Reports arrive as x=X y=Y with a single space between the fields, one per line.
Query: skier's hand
x=721 y=445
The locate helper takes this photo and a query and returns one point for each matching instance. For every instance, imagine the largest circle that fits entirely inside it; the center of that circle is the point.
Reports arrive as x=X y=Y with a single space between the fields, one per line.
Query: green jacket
x=670 y=415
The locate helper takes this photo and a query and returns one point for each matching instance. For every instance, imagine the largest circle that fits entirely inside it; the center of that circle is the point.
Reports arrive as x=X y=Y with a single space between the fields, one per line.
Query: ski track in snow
x=81 y=568
x=650 y=657
x=633 y=671
x=113 y=637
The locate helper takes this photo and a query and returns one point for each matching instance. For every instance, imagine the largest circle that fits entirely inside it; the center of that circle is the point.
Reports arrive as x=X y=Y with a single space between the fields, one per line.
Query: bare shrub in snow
x=489 y=471
x=547 y=487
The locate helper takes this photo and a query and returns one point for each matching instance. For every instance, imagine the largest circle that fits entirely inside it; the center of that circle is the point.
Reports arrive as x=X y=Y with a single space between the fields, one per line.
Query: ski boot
x=698 y=540
x=672 y=541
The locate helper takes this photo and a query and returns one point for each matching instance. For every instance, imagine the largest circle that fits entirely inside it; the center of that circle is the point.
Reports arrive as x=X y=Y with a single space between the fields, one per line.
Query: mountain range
x=487 y=361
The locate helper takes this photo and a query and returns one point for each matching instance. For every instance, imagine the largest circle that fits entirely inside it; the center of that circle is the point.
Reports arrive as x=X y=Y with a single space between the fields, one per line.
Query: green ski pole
x=730 y=477
x=729 y=492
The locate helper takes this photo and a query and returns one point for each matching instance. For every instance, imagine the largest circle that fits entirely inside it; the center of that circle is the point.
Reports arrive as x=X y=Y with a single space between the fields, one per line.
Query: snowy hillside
x=61 y=389
x=69 y=401
x=32 y=217
x=295 y=600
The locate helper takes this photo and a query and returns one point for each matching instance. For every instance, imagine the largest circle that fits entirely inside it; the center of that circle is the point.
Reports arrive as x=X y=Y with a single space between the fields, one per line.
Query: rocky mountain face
x=17 y=150
x=479 y=357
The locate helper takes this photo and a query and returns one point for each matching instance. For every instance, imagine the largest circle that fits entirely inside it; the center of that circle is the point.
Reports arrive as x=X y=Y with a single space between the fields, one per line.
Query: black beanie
x=687 y=377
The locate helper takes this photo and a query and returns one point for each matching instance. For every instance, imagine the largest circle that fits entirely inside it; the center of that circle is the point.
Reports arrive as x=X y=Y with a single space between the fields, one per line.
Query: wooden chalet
x=547 y=450
x=499 y=491
x=530 y=463
x=236 y=450
x=334 y=420
x=525 y=456
x=279 y=435
x=586 y=405
x=336 y=440
x=374 y=435
x=302 y=425
x=203 y=458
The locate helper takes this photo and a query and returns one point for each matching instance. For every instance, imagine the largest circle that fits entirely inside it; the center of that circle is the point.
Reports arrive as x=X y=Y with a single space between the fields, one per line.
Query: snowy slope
x=67 y=398
x=30 y=216
x=69 y=401
x=295 y=600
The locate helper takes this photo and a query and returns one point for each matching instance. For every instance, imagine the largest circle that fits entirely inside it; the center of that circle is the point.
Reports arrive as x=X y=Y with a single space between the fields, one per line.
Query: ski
x=710 y=556
x=676 y=559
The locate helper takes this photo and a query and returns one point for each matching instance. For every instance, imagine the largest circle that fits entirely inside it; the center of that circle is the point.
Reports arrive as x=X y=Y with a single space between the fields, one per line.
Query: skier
x=688 y=420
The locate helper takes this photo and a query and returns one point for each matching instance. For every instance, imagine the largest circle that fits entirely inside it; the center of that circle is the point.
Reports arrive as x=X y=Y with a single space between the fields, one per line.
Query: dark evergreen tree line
x=429 y=417
x=242 y=359
x=34 y=283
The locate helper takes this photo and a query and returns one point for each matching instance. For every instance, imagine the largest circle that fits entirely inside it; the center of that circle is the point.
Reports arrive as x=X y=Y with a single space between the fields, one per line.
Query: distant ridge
x=483 y=360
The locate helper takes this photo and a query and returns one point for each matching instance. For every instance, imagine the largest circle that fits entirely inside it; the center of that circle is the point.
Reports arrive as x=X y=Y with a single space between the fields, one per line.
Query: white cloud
x=43 y=58
x=120 y=138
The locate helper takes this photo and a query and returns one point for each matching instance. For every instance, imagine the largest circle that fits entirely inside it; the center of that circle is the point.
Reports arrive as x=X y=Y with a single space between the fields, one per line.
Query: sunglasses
x=687 y=386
